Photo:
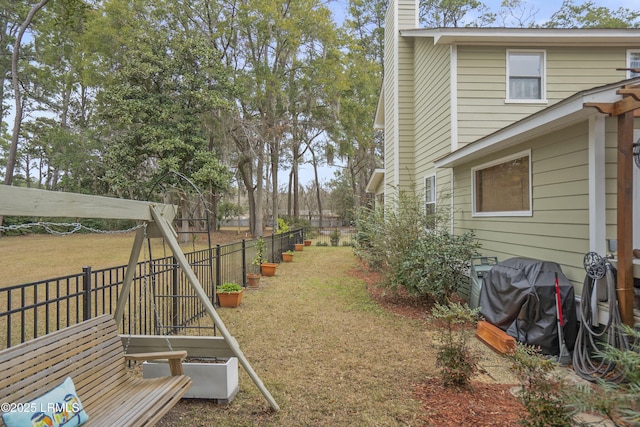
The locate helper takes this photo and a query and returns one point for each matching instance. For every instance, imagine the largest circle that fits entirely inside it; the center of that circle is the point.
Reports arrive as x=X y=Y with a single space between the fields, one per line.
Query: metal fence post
x=218 y=270
x=86 y=289
x=244 y=263
x=174 y=290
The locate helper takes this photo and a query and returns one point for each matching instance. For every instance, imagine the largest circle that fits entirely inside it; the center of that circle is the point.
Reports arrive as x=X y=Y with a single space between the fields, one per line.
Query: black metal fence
x=161 y=300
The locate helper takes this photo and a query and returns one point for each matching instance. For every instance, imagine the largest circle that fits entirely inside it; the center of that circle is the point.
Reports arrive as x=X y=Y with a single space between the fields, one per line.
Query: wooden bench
x=91 y=353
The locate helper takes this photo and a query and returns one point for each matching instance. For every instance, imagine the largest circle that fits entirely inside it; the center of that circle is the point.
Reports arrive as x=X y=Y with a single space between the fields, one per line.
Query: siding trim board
x=528 y=36
x=597 y=190
x=454 y=96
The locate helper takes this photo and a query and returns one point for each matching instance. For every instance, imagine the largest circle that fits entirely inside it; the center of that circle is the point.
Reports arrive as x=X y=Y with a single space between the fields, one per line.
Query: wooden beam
x=166 y=229
x=624 y=285
x=129 y=274
x=195 y=346
x=18 y=201
x=626 y=104
x=630 y=91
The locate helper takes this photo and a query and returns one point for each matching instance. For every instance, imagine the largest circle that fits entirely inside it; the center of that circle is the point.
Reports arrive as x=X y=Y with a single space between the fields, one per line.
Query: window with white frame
x=503 y=187
x=526 y=76
x=633 y=61
x=430 y=198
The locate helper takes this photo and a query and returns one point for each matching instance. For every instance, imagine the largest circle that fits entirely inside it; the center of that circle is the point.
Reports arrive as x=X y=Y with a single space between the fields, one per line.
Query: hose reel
x=597 y=269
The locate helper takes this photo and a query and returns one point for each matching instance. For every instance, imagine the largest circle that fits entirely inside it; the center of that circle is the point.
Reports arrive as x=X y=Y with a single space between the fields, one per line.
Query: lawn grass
x=326 y=352
x=36 y=257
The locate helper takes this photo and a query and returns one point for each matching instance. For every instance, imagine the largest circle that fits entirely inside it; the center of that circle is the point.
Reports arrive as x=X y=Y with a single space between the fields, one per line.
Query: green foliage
x=435 y=265
x=455 y=359
x=616 y=401
x=260 y=252
x=401 y=241
x=229 y=287
x=334 y=237
x=227 y=210
x=283 y=227
x=589 y=15
x=542 y=393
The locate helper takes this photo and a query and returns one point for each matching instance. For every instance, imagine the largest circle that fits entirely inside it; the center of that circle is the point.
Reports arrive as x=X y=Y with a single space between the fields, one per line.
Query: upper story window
x=430 y=199
x=503 y=187
x=526 y=76
x=633 y=61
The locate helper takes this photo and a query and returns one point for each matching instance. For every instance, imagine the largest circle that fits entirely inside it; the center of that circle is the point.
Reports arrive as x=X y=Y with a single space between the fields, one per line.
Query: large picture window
x=633 y=61
x=503 y=187
x=526 y=76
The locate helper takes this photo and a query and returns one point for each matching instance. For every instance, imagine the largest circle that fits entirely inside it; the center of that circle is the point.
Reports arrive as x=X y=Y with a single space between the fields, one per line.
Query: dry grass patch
x=30 y=258
x=325 y=351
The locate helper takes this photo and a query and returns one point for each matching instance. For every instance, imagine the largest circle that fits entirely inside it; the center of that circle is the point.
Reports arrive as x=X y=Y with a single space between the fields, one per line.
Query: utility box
x=479 y=267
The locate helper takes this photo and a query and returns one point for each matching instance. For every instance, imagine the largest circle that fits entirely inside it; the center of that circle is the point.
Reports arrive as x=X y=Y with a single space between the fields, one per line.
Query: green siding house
x=502 y=121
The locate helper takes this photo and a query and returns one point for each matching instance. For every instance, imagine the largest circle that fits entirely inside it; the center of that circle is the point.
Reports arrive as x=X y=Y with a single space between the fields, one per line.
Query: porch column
x=625 y=216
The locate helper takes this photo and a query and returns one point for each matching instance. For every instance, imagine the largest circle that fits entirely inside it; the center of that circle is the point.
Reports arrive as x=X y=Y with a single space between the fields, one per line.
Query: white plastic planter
x=210 y=380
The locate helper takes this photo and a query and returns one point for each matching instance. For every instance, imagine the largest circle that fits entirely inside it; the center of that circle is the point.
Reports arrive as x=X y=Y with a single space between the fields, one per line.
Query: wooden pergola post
x=624 y=284
x=626 y=110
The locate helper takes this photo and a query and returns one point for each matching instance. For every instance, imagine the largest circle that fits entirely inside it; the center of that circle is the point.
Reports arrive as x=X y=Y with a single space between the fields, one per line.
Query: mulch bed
x=485 y=404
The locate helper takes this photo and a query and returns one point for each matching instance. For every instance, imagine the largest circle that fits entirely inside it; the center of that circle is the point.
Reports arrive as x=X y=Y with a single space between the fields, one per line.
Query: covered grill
x=518 y=295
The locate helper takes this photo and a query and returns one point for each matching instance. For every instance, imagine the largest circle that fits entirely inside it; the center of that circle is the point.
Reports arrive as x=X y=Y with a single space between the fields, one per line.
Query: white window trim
x=435 y=198
x=474 y=213
x=629 y=52
x=543 y=78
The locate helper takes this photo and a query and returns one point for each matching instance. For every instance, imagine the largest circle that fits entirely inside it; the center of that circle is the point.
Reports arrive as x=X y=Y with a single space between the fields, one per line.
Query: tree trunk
x=13 y=149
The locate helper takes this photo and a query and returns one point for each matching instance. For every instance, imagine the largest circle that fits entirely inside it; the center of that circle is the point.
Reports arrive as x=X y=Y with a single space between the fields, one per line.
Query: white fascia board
x=558 y=116
x=378 y=120
x=374 y=181
x=528 y=36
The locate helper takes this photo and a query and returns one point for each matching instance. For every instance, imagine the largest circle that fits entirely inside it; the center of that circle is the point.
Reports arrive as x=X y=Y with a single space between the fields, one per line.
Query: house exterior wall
x=390 y=99
x=432 y=111
x=482 y=83
x=399 y=105
x=558 y=228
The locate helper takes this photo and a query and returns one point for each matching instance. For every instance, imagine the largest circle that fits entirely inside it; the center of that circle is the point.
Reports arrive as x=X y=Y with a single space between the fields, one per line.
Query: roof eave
x=558 y=116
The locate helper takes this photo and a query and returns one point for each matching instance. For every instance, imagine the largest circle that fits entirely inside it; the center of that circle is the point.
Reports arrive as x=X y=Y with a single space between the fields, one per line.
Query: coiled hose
x=586 y=345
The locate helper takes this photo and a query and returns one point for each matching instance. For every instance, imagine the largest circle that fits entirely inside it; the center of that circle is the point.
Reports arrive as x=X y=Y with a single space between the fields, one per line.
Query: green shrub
x=455 y=359
x=229 y=287
x=544 y=395
x=436 y=264
x=283 y=227
x=617 y=402
x=415 y=251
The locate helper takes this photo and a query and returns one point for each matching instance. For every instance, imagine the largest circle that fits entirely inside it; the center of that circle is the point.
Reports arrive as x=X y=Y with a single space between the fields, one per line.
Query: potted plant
x=299 y=246
x=334 y=237
x=229 y=294
x=268 y=268
x=253 y=279
x=287 y=256
x=307 y=242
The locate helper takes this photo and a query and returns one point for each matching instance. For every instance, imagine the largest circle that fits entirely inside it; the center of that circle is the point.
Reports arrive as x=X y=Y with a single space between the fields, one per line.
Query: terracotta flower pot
x=307 y=242
x=268 y=268
x=287 y=257
x=299 y=246
x=253 y=280
x=230 y=299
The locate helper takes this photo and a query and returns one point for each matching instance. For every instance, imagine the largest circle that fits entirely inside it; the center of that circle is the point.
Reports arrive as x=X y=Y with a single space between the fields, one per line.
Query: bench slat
x=92 y=354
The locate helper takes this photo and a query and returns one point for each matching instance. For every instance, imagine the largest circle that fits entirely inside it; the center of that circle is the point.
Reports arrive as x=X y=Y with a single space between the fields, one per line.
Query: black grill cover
x=518 y=296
